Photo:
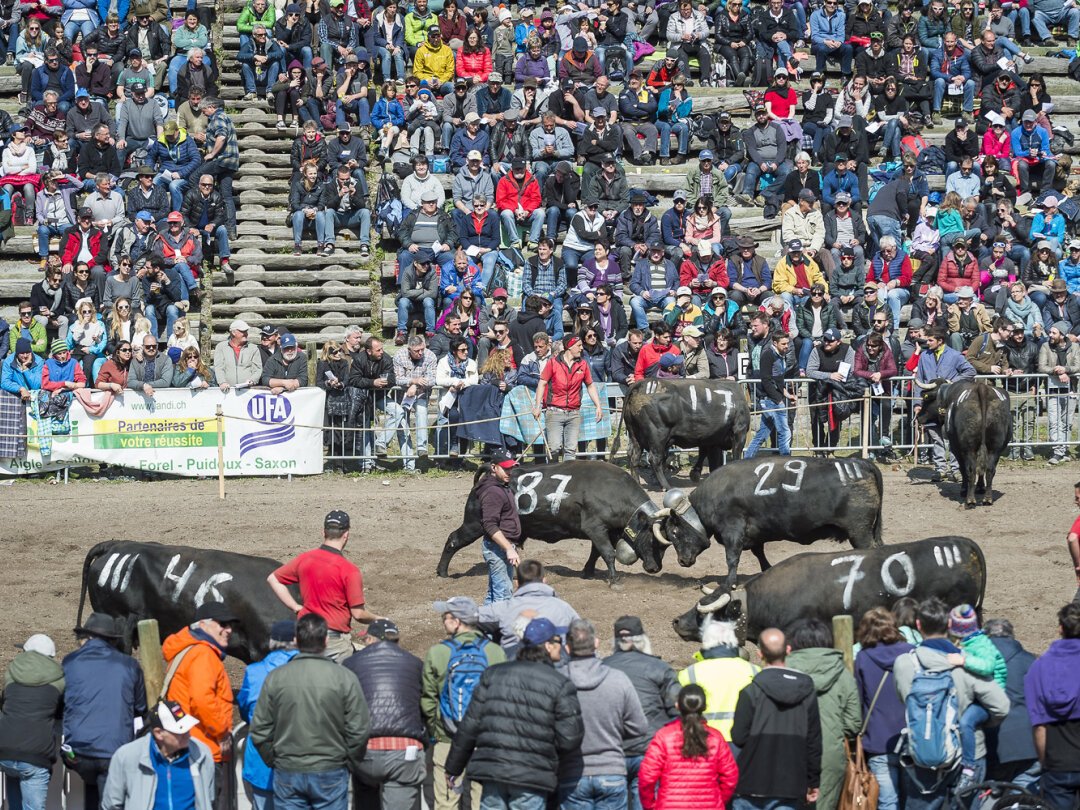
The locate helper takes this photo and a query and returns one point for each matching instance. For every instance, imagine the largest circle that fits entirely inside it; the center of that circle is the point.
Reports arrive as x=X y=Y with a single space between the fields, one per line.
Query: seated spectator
x=702 y=272
x=891 y=270
x=422 y=122
x=153 y=44
x=950 y=69
x=291 y=96
x=434 y=62
x=307 y=211
x=520 y=203
x=766 y=147
x=479 y=232
x=814 y=317
x=54 y=211
x=309 y=147
x=21 y=371
x=19 y=168
x=164 y=295
x=192 y=34
x=29 y=50
x=796 y=273
x=1031 y=148
x=465 y=308
x=419 y=183
x=474 y=62
x=509 y=142
x=86 y=336
x=1049 y=225
x=425 y=227
x=910 y=67
x=683 y=312
x=803 y=177
x=204 y=211
x=352 y=90
x=191 y=372
x=181 y=337
x=470 y=139
x=588 y=228
x=174 y=156
x=828 y=38
x=198 y=72
x=845 y=230
x=1061 y=306
x=959 y=268
x=80 y=239
x=181 y=251
x=1020 y=311
x=145 y=196
x=53 y=75
x=286 y=370
x=152 y=371
x=237 y=362
x=344 y=207
x=600 y=269
x=545 y=278
x=47 y=301
x=636 y=228
x=113 y=374
x=653 y=284
x=261 y=59
x=968 y=319
x=996 y=273
x=418 y=288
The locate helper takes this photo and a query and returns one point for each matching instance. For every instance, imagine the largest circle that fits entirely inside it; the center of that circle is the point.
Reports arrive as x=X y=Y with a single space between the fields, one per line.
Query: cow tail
x=91 y=557
x=880 y=484
x=977 y=551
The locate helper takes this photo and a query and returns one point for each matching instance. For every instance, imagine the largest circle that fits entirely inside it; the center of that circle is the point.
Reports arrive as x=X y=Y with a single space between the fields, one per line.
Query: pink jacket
x=668 y=781
x=992 y=147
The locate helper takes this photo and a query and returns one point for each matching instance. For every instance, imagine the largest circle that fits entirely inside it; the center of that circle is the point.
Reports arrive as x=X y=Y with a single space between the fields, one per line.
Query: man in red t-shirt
x=1074 y=541
x=559 y=394
x=329 y=584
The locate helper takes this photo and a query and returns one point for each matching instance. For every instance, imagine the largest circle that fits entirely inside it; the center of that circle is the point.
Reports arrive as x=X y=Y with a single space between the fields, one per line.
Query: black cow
x=711 y=415
x=976 y=422
x=813 y=585
x=748 y=503
x=590 y=499
x=132 y=581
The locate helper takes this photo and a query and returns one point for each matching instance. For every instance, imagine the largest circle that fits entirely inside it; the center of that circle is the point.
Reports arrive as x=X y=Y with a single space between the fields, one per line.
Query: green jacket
x=435 y=665
x=721 y=191
x=983 y=658
x=248 y=19
x=416 y=27
x=39 y=339
x=840 y=710
x=311 y=717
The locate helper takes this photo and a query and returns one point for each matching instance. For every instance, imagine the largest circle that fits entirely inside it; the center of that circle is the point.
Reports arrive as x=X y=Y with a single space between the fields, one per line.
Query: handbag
x=860 y=791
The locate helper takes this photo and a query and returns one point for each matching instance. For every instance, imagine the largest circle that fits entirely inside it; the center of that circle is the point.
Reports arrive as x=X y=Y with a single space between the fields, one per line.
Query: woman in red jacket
x=688 y=765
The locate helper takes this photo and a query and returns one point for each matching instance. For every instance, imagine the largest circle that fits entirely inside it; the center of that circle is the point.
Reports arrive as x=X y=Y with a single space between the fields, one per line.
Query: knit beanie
x=58 y=345
x=962 y=621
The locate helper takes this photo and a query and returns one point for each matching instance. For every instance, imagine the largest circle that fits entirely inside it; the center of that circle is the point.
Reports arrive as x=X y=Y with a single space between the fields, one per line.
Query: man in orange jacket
x=199 y=683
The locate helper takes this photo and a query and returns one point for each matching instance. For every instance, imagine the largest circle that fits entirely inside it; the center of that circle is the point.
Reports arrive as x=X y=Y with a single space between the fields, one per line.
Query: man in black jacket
x=523 y=718
x=781 y=706
x=373 y=373
x=204 y=211
x=390 y=680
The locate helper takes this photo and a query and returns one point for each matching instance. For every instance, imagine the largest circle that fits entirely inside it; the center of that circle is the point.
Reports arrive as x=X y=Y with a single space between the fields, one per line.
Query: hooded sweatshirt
x=776 y=720
x=531 y=601
x=1053 y=700
x=886 y=720
x=33 y=706
x=839 y=709
x=610 y=711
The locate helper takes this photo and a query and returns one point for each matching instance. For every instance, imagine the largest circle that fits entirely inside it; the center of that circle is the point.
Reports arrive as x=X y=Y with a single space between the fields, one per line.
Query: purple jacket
x=527 y=66
x=1051 y=686
x=887 y=719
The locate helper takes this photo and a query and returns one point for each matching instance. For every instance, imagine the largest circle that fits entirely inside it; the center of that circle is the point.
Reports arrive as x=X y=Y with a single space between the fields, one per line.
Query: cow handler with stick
x=502 y=526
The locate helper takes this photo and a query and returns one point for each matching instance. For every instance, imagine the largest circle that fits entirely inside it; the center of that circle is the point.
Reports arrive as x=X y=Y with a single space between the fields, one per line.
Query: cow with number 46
x=748 y=503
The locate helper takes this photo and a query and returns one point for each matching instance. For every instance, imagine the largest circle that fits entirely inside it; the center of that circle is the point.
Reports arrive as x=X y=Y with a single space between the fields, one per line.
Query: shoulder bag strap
x=173 y=667
x=873 y=703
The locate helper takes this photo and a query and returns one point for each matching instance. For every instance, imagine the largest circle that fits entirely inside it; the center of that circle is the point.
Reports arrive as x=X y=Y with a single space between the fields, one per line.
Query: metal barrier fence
x=881 y=423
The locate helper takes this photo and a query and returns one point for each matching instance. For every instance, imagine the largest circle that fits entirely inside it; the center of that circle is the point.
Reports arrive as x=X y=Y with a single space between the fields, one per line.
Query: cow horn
x=928 y=386
x=721 y=602
x=659 y=535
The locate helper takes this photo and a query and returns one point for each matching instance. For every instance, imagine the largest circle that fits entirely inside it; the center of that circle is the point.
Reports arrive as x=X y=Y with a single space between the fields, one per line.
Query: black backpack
x=932 y=160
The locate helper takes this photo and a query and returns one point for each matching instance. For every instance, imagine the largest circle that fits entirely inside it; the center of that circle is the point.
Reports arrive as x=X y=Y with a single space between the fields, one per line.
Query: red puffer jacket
x=686 y=784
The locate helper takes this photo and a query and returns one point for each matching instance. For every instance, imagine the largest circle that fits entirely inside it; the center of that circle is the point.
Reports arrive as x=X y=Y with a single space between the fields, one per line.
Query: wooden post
x=312 y=359
x=151 y=658
x=843 y=628
x=866 y=423
x=219 y=419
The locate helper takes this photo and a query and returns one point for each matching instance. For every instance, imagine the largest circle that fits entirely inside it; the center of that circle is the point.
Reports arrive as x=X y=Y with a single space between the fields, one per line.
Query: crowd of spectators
x=518 y=700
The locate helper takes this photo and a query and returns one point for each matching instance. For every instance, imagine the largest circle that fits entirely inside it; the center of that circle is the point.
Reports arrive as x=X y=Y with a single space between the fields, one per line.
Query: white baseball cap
x=171 y=717
x=239 y=326
x=40 y=643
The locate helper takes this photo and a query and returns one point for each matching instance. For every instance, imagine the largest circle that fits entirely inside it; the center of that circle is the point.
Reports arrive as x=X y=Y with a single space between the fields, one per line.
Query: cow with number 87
x=748 y=503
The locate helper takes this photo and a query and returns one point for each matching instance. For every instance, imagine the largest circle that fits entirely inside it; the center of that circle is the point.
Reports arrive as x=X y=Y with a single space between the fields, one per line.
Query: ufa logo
x=276 y=412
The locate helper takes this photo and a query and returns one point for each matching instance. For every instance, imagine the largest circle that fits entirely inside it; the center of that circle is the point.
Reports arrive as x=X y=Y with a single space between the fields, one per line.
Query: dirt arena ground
x=400 y=524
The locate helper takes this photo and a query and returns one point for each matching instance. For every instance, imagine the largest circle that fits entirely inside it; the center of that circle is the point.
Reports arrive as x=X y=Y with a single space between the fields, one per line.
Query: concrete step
x=271 y=294
x=294 y=310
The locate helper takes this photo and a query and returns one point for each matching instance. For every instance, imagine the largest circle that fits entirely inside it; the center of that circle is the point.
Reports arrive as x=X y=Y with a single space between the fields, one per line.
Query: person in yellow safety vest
x=721 y=672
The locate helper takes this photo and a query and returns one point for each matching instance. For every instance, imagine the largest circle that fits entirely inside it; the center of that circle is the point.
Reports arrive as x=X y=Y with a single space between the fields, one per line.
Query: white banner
x=175 y=432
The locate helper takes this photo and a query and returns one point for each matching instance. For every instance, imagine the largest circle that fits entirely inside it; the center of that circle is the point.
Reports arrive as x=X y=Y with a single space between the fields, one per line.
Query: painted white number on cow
x=180 y=579
x=900 y=558
x=888 y=579
x=796 y=467
x=115 y=565
x=209 y=589
x=853 y=575
x=848 y=471
x=527 y=496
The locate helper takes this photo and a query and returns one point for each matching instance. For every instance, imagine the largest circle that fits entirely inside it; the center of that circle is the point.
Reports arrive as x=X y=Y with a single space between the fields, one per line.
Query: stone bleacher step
x=332 y=290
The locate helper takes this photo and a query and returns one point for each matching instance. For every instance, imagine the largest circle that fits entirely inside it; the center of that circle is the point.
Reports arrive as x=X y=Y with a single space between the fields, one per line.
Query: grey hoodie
x=969 y=688
x=611 y=713
x=531 y=601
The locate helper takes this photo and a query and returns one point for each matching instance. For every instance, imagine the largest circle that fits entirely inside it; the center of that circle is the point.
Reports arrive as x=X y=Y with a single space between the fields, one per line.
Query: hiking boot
x=1051 y=43
x=665 y=161
x=399 y=338
x=1027 y=454
x=249 y=97
x=743 y=199
x=935 y=119
x=297 y=250
x=679 y=159
x=226 y=268
x=328 y=249
x=365 y=252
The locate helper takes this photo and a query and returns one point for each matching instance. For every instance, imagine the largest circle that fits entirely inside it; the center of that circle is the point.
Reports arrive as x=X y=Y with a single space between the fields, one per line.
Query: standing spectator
x=329 y=585
x=502 y=526
x=777 y=720
x=558 y=394
x=311 y=724
x=33 y=705
x=939 y=361
x=1059 y=359
x=200 y=684
x=688 y=764
x=460 y=618
x=167 y=766
x=533 y=598
x=257 y=775
x=414 y=370
x=882 y=643
x=523 y=719
x=721 y=672
x=656 y=686
x=390 y=678
x=595 y=775
x=811 y=644
x=1010 y=749
x=1051 y=693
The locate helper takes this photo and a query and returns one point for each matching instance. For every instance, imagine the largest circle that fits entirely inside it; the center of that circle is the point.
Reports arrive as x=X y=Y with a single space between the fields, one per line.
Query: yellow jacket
x=783 y=277
x=434 y=63
x=722 y=679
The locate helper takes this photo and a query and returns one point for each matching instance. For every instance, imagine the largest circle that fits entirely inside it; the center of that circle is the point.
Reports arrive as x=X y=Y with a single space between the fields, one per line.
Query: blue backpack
x=932 y=717
x=467 y=663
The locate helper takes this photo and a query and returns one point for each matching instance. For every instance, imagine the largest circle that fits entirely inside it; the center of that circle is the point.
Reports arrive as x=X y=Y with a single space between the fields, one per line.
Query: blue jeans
x=269 y=76
x=220 y=237
x=44 y=232
x=666 y=130
x=1069 y=16
x=404 y=311
x=326 y=790
x=358 y=221
x=176 y=189
x=27 y=785
x=261 y=799
x=1021 y=18
x=895 y=299
x=554 y=322
x=844 y=53
x=176 y=64
x=552 y=220
x=572 y=258
x=1060 y=788
x=300 y=222
x=360 y=108
x=621 y=52
x=73 y=28
x=764 y=803
x=969 y=94
x=172 y=312
x=639 y=306
x=500 y=796
x=815 y=131
x=386 y=61
x=890 y=138
x=973 y=717
x=782 y=48
x=500 y=574
x=881 y=225
x=886 y=770
x=8 y=37
x=535 y=223
x=773 y=417
x=753 y=173
x=633 y=800
x=594 y=793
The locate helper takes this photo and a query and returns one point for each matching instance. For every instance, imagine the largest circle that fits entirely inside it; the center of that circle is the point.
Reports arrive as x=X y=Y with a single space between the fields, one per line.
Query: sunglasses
x=206 y=185
x=25 y=313
x=124 y=351
x=462 y=349
x=123 y=309
x=149 y=347
x=500 y=331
